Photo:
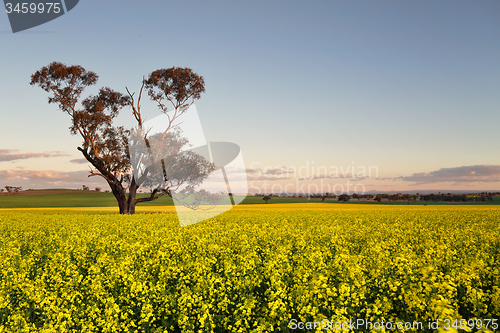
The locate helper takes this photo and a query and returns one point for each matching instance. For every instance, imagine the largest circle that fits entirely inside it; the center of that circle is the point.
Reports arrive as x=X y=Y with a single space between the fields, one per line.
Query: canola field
x=259 y=268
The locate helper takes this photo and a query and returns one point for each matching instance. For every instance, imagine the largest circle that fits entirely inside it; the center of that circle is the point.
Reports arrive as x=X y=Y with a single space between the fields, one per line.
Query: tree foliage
x=176 y=85
x=12 y=189
x=344 y=197
x=408 y=198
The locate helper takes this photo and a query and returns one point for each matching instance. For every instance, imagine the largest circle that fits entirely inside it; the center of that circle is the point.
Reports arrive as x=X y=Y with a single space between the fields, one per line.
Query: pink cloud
x=325 y=176
x=49 y=179
x=250 y=178
x=42 y=175
x=278 y=171
x=464 y=174
x=79 y=161
x=11 y=155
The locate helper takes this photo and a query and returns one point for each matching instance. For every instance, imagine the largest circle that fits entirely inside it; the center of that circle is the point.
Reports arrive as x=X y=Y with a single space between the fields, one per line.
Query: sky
x=319 y=95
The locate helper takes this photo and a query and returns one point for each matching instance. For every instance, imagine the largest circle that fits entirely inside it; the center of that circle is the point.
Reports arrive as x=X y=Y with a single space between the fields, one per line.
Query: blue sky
x=410 y=87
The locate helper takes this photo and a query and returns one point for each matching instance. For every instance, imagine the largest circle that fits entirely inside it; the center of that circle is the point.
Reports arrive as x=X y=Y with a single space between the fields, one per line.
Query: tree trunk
x=126 y=203
x=121 y=198
x=132 y=195
x=114 y=184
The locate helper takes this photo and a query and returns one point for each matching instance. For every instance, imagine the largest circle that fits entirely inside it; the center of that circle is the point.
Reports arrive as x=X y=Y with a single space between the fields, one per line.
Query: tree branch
x=152 y=196
x=92 y=173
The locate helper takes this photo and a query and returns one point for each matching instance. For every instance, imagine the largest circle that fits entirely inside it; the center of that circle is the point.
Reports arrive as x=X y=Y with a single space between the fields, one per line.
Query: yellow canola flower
x=252 y=269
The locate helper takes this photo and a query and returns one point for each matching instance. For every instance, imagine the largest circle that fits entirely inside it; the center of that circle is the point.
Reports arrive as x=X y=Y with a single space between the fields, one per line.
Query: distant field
x=70 y=199
x=74 y=198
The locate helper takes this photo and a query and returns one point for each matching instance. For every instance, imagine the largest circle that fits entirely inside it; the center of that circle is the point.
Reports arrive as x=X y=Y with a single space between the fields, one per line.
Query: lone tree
x=106 y=146
x=344 y=197
x=13 y=189
x=266 y=198
x=408 y=197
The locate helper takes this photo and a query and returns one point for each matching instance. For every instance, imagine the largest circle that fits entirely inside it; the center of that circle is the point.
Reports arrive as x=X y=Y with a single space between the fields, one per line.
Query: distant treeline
x=440 y=197
x=10 y=190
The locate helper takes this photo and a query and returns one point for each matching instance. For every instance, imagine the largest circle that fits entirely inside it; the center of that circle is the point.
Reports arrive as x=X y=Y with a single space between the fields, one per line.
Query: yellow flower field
x=256 y=268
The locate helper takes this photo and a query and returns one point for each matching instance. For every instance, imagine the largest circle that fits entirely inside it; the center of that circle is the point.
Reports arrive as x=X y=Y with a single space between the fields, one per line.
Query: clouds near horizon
x=79 y=161
x=278 y=173
x=462 y=174
x=12 y=155
x=49 y=178
x=74 y=179
x=270 y=178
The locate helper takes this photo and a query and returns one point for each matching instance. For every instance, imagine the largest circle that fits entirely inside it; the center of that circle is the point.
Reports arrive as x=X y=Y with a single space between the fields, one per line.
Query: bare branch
x=98 y=174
